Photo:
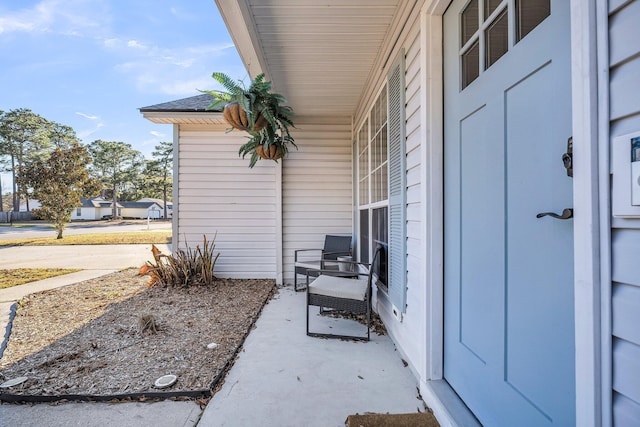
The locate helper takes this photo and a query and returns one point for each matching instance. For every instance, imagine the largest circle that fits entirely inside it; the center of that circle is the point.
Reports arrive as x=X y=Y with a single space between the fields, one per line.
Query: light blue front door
x=509 y=316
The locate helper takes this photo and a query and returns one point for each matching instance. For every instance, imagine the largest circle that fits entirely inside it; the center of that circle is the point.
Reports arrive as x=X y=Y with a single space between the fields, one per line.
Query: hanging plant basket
x=235 y=115
x=257 y=111
x=272 y=152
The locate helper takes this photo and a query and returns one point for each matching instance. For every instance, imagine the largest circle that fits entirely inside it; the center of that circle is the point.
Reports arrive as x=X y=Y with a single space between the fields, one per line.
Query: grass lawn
x=142 y=237
x=20 y=276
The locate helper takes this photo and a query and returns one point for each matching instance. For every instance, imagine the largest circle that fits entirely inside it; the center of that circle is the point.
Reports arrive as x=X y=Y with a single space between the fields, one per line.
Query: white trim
x=175 y=232
x=278 y=220
x=602 y=71
x=425 y=321
x=587 y=233
x=236 y=15
x=185 y=117
x=448 y=408
x=433 y=161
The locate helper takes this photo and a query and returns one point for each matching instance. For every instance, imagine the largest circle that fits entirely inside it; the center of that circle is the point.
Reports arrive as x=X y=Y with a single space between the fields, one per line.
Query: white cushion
x=340 y=287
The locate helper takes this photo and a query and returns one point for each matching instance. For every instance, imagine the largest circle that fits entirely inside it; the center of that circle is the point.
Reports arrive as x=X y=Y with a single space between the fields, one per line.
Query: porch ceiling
x=320 y=54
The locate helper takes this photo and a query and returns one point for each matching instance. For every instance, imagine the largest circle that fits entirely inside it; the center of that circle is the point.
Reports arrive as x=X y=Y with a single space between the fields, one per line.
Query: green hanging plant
x=258 y=111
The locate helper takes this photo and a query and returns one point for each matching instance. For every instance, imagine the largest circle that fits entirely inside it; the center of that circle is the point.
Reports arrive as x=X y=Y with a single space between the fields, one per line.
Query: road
x=45 y=230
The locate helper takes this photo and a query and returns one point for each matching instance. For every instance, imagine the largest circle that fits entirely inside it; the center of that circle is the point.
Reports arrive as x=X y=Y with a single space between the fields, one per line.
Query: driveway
x=86 y=257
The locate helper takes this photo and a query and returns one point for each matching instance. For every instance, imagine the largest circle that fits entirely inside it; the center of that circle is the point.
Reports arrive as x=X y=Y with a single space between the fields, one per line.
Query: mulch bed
x=114 y=336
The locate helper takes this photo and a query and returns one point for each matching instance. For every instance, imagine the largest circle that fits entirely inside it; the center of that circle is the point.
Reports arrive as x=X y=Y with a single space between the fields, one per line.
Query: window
x=373 y=178
x=78 y=211
x=381 y=177
x=487 y=31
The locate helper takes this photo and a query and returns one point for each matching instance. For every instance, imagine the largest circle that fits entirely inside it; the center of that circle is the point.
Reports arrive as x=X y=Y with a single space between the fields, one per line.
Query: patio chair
x=332 y=290
x=321 y=259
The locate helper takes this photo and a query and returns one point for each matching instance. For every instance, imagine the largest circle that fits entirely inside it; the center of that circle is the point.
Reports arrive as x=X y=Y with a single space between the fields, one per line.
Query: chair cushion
x=340 y=287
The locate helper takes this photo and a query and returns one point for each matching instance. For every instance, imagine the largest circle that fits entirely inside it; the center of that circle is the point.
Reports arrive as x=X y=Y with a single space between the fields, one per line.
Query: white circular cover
x=12 y=382
x=165 y=381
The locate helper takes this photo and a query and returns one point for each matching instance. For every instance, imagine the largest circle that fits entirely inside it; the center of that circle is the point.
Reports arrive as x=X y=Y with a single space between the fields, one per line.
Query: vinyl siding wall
x=218 y=193
x=316 y=186
x=86 y=214
x=624 y=61
x=408 y=332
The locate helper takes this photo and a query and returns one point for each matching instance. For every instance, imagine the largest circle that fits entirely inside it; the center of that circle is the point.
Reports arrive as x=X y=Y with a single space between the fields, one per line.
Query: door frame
x=592 y=230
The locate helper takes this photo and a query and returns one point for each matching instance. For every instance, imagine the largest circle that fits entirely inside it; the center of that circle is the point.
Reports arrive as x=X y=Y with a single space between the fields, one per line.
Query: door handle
x=566 y=214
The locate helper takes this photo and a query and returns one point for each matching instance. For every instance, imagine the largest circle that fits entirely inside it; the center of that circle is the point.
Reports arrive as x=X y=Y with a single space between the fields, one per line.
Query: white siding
x=140 y=212
x=218 y=193
x=316 y=186
x=624 y=58
x=407 y=333
x=86 y=213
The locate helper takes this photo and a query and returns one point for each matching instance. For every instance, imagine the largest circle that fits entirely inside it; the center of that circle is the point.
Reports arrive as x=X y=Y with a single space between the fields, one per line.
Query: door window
x=488 y=30
x=529 y=13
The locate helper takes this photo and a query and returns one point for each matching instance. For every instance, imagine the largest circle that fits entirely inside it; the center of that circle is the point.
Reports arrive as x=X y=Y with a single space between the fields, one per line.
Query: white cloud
x=178 y=87
x=68 y=17
x=87 y=132
x=176 y=71
x=135 y=44
x=184 y=63
x=157 y=134
x=111 y=43
x=183 y=14
x=87 y=116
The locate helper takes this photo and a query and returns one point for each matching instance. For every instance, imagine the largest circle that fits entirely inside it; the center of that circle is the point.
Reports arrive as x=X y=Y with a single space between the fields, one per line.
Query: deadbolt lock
x=567 y=158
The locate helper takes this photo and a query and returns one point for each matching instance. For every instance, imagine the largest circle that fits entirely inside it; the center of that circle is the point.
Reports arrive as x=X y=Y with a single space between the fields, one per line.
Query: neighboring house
x=141 y=210
x=442 y=127
x=93 y=209
x=160 y=203
x=33 y=204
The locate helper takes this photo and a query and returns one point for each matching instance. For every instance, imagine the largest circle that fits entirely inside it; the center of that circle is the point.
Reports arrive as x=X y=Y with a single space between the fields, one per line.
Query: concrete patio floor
x=285 y=378
x=281 y=378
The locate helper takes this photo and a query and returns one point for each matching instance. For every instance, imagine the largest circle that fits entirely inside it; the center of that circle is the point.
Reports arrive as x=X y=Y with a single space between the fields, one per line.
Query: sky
x=91 y=64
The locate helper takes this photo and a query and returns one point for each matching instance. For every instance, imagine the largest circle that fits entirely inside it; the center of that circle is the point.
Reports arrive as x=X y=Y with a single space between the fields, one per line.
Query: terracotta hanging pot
x=272 y=152
x=235 y=115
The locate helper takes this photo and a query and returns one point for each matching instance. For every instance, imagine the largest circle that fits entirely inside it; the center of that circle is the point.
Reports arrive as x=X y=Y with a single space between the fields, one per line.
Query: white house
x=141 y=210
x=160 y=203
x=93 y=209
x=33 y=204
x=449 y=129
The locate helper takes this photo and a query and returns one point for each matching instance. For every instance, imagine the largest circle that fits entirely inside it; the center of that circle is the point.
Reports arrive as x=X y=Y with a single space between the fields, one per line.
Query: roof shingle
x=191 y=104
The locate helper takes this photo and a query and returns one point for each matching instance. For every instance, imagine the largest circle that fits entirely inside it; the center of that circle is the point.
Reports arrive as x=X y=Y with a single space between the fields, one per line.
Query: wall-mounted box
x=625 y=168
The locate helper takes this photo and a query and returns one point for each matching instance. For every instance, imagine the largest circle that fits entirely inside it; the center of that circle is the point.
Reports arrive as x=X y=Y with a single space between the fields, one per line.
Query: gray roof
x=159 y=202
x=137 y=205
x=96 y=202
x=86 y=203
x=191 y=104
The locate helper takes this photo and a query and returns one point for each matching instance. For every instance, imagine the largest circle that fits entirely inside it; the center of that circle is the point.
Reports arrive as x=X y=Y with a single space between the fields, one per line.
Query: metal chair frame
x=344 y=304
x=334 y=246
